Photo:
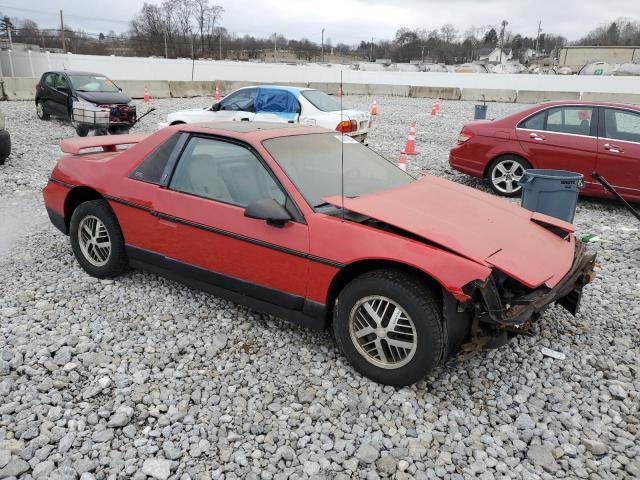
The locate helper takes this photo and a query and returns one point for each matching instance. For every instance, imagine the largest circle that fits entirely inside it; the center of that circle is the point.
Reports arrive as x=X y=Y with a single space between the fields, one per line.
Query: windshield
x=92 y=83
x=312 y=162
x=322 y=101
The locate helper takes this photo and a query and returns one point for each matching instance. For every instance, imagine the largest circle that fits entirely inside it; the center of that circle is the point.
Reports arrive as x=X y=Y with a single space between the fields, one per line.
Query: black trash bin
x=552 y=192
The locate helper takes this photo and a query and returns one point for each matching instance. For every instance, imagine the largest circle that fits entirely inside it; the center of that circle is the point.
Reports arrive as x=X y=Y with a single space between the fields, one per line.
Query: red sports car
x=577 y=136
x=407 y=272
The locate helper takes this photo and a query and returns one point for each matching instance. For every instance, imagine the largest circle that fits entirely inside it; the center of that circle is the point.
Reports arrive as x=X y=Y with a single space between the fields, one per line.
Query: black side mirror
x=215 y=107
x=270 y=210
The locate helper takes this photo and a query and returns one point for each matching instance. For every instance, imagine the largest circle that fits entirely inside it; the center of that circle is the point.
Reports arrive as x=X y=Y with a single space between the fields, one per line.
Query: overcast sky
x=347 y=21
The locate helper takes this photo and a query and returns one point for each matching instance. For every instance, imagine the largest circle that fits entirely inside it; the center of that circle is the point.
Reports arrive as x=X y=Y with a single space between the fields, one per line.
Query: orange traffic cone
x=434 y=110
x=410 y=148
x=374 y=108
x=339 y=94
x=146 y=95
x=216 y=95
x=402 y=163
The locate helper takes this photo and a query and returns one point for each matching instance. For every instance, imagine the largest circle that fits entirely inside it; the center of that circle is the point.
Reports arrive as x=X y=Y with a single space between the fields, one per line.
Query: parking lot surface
x=140 y=376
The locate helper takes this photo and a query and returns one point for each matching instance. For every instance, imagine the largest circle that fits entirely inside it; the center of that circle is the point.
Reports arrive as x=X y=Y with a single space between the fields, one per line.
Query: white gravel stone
x=157 y=468
x=542 y=456
x=367 y=453
x=5 y=456
x=14 y=468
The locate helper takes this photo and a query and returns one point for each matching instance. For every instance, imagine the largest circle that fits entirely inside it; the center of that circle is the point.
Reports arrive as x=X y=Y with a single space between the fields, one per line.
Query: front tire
x=97 y=241
x=5 y=146
x=389 y=326
x=41 y=112
x=504 y=172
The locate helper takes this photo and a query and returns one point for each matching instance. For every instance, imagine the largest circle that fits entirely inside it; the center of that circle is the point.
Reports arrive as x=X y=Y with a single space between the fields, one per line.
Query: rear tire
x=504 y=172
x=97 y=241
x=363 y=325
x=118 y=130
x=82 y=130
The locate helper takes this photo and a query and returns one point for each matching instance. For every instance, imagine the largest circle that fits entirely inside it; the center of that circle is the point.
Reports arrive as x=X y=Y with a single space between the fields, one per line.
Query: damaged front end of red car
x=501 y=307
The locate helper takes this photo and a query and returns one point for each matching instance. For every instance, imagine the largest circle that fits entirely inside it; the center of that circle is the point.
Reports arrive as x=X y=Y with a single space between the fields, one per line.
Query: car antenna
x=341 y=150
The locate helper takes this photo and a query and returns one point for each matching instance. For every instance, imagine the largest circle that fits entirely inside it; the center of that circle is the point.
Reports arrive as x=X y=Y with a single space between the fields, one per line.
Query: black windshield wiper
x=323 y=204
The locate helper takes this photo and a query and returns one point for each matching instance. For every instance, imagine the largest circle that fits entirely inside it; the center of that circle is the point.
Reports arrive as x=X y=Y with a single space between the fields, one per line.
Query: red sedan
x=580 y=137
x=405 y=271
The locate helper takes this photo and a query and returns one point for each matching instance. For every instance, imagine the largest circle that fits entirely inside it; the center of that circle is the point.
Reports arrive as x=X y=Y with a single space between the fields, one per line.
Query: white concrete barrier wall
x=33 y=64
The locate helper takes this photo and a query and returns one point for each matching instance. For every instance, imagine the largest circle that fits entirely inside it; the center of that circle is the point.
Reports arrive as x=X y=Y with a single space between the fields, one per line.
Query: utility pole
x=220 y=43
x=62 y=32
x=371 y=50
x=166 y=48
x=275 y=46
x=193 y=58
x=322 y=45
x=538 y=37
x=504 y=25
x=9 y=26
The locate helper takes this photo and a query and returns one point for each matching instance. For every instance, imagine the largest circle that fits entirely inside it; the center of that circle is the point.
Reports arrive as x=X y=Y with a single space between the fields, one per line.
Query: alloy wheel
x=40 y=110
x=505 y=176
x=94 y=240
x=383 y=332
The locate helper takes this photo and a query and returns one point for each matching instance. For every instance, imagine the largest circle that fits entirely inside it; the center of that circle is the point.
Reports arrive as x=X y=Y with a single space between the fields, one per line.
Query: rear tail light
x=464 y=136
x=347 y=126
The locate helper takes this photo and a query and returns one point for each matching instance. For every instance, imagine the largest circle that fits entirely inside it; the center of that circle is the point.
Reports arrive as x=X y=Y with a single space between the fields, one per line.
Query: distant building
x=576 y=57
x=527 y=55
x=492 y=55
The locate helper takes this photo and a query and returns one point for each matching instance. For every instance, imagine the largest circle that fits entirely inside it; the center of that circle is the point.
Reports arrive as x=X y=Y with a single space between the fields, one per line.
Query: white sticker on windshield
x=101 y=78
x=345 y=139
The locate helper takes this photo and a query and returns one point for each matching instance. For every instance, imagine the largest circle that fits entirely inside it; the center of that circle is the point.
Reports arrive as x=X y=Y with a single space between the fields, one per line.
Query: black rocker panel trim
x=291 y=307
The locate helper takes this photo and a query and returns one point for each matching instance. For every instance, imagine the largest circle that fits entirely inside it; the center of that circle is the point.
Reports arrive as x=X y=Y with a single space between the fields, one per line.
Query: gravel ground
x=144 y=378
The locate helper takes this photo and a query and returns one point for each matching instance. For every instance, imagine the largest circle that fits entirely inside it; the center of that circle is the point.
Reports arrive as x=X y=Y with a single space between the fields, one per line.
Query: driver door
x=59 y=96
x=237 y=107
x=201 y=219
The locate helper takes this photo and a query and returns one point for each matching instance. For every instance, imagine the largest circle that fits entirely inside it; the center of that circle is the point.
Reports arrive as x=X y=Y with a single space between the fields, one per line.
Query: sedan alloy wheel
x=505 y=176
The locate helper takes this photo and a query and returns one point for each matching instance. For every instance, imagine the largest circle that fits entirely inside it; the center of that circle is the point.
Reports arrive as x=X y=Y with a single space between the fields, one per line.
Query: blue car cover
x=281 y=102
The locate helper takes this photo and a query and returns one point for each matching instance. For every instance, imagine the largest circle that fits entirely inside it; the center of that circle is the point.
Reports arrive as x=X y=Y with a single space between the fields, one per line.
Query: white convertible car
x=270 y=103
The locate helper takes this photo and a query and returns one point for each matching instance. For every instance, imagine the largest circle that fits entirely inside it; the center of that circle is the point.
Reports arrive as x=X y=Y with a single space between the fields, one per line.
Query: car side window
x=152 y=168
x=536 y=122
x=225 y=172
x=59 y=81
x=575 y=120
x=242 y=100
x=622 y=125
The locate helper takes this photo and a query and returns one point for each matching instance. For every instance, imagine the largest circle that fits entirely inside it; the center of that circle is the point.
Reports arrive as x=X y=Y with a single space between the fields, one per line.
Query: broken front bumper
x=567 y=293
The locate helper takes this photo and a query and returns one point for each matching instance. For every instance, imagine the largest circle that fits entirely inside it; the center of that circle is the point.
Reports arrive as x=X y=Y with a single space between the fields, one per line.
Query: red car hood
x=475 y=225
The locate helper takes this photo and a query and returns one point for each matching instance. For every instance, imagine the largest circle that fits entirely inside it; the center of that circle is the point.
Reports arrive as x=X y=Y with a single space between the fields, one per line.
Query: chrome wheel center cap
x=381 y=332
